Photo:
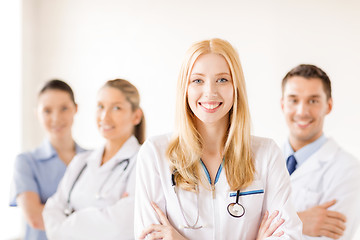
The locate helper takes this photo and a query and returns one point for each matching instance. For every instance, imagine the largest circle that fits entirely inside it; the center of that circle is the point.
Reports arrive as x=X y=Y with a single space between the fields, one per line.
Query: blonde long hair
x=184 y=150
x=133 y=97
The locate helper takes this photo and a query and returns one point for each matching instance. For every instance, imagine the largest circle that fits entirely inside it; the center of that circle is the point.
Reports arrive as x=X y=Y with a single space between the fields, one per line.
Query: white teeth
x=210 y=106
x=303 y=123
x=106 y=127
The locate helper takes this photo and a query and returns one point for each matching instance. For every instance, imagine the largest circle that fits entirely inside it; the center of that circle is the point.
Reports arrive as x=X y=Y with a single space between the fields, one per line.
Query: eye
x=116 y=108
x=292 y=100
x=64 y=108
x=197 y=81
x=100 y=106
x=47 y=111
x=313 y=101
x=222 y=80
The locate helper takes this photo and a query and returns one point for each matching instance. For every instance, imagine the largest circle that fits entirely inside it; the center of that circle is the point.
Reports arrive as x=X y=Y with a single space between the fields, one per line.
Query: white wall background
x=87 y=42
x=10 y=120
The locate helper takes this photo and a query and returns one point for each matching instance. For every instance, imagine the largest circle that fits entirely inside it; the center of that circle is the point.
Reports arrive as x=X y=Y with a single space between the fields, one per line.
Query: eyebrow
x=114 y=103
x=312 y=96
x=218 y=74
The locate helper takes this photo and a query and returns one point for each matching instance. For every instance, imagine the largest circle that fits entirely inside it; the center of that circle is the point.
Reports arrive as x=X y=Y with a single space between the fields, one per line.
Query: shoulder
x=81 y=159
x=25 y=156
x=341 y=158
x=267 y=155
x=24 y=162
x=30 y=157
x=153 y=151
x=261 y=144
x=157 y=143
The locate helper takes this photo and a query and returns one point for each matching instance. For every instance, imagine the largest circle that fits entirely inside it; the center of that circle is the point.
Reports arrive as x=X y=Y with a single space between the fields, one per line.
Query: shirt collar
x=305 y=152
x=46 y=151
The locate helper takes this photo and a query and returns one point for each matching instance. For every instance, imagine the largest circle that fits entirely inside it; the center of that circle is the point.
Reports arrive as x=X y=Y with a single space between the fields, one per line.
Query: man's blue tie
x=291 y=164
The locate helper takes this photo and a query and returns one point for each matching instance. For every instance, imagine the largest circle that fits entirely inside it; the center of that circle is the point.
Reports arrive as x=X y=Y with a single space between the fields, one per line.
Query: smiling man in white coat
x=325 y=179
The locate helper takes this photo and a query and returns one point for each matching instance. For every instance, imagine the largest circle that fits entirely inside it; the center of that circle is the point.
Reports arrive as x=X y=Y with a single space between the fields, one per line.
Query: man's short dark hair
x=309 y=71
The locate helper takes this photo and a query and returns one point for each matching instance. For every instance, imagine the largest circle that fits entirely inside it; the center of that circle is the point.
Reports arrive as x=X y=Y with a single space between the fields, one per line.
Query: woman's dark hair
x=56 y=84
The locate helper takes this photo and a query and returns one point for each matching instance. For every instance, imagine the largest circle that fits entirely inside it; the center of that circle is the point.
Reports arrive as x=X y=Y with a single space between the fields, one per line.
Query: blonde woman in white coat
x=95 y=198
x=211 y=179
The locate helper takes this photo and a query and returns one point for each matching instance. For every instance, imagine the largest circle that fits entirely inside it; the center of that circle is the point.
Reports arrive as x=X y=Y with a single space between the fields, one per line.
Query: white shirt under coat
x=329 y=173
x=106 y=218
x=153 y=184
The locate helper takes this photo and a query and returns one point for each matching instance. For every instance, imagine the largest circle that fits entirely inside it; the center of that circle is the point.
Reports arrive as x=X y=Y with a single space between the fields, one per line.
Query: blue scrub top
x=38 y=171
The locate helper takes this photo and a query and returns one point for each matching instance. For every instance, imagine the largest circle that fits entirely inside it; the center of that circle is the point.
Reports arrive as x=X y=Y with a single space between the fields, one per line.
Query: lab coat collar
x=127 y=151
x=317 y=160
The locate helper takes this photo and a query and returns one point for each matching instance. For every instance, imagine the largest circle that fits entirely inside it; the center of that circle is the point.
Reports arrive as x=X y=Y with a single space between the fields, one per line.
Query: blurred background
x=87 y=42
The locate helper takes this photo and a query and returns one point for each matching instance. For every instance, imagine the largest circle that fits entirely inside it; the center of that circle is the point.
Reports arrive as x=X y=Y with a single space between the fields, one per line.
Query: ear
x=330 y=105
x=282 y=103
x=76 y=107
x=138 y=113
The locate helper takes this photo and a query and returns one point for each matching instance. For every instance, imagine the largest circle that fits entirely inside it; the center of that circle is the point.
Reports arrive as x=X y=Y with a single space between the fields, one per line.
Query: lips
x=210 y=106
x=303 y=123
x=57 y=128
x=106 y=127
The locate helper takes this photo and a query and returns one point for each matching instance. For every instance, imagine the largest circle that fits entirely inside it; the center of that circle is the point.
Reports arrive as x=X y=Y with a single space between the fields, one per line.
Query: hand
x=124 y=195
x=161 y=231
x=266 y=229
x=319 y=221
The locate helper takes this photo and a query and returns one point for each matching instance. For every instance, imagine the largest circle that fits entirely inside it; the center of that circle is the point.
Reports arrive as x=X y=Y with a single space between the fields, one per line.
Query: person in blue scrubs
x=38 y=172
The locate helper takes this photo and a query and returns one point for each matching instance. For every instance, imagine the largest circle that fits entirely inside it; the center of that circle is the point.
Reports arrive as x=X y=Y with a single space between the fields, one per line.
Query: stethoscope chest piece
x=236 y=209
x=68 y=211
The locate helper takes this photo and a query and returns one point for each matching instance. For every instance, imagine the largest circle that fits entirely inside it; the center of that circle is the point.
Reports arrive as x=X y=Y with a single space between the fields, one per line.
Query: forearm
x=115 y=220
x=32 y=209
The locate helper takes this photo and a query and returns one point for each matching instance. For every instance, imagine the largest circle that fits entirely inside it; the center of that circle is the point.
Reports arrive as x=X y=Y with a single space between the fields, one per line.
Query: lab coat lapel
x=129 y=149
x=316 y=161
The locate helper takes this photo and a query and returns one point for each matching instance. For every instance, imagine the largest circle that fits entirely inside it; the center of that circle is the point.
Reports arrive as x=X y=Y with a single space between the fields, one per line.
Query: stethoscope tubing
x=68 y=209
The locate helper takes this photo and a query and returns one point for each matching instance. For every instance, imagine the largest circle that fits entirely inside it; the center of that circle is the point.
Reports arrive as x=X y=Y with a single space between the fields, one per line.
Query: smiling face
x=56 y=111
x=305 y=106
x=210 y=92
x=115 y=116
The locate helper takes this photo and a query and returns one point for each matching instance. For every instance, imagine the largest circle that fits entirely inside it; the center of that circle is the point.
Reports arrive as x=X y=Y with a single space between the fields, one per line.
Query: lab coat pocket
x=251 y=199
x=310 y=198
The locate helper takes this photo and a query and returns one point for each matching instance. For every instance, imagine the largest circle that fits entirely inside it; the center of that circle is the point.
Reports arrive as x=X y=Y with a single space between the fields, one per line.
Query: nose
x=210 y=89
x=55 y=116
x=104 y=114
x=302 y=109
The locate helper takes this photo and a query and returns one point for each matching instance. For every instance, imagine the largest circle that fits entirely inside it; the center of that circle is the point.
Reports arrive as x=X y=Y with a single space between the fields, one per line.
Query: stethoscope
x=69 y=210
x=188 y=225
x=235 y=209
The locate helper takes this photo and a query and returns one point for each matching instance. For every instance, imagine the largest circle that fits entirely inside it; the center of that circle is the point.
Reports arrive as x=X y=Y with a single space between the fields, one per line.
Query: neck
x=213 y=140
x=111 y=148
x=65 y=148
x=297 y=144
x=63 y=144
x=213 y=146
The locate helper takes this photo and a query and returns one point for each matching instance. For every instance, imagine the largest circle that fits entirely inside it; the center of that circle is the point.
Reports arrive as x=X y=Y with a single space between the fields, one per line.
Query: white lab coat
x=153 y=184
x=330 y=173
x=108 y=218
